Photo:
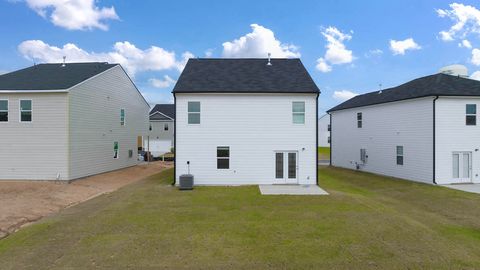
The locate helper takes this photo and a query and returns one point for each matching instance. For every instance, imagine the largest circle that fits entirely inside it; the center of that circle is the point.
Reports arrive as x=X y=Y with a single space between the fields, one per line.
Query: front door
x=286 y=167
x=462 y=167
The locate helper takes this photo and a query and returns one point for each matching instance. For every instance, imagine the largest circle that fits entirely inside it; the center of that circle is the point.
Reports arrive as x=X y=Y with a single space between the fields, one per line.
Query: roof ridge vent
x=269 y=63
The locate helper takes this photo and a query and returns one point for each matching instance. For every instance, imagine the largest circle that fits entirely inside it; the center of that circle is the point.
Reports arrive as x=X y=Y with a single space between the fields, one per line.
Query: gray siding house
x=67 y=121
x=160 y=135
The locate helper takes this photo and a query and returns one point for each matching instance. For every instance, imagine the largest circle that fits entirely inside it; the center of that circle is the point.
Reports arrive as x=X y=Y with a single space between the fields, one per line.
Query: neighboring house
x=246 y=121
x=324 y=131
x=160 y=136
x=425 y=130
x=66 y=121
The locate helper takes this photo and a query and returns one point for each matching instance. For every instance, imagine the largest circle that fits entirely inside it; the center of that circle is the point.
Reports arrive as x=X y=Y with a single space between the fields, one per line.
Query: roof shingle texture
x=51 y=76
x=432 y=85
x=245 y=75
x=166 y=109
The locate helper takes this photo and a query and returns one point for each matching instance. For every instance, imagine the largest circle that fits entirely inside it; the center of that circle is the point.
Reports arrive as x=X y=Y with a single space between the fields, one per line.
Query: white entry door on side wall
x=286 y=167
x=462 y=167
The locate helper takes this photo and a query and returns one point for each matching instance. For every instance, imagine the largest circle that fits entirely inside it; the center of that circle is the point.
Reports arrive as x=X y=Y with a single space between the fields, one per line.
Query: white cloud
x=336 y=53
x=466 y=20
x=159 y=83
x=323 y=66
x=343 y=95
x=375 y=52
x=465 y=44
x=209 y=53
x=133 y=59
x=475 y=76
x=74 y=14
x=259 y=43
x=401 y=46
x=475 y=57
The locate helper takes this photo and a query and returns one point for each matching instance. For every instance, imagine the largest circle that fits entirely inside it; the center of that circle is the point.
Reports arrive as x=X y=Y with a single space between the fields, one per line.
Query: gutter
x=316 y=130
x=331 y=138
x=174 y=140
x=434 y=143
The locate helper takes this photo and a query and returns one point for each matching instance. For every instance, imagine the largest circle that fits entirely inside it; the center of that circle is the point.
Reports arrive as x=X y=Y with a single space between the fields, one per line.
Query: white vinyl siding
x=37 y=150
x=95 y=123
x=253 y=135
x=407 y=123
x=454 y=136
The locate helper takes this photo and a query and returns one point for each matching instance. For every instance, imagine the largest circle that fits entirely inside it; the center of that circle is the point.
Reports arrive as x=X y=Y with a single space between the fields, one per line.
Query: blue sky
x=347 y=46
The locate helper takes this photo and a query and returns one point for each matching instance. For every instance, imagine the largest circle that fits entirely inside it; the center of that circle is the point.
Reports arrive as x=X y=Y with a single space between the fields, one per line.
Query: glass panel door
x=292 y=165
x=279 y=165
x=462 y=167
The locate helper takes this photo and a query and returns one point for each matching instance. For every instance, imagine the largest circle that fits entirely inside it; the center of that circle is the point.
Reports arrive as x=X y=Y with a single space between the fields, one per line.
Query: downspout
x=316 y=128
x=434 y=154
x=174 y=141
x=331 y=138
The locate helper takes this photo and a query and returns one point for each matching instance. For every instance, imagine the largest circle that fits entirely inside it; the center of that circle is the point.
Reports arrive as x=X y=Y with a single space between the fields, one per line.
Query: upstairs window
x=3 y=110
x=399 y=155
x=471 y=114
x=298 y=112
x=25 y=111
x=165 y=126
x=122 y=117
x=359 y=120
x=329 y=128
x=223 y=157
x=194 y=112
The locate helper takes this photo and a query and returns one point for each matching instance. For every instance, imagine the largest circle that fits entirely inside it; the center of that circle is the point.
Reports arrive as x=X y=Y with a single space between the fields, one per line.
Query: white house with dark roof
x=425 y=130
x=246 y=121
x=324 y=131
x=160 y=136
x=67 y=121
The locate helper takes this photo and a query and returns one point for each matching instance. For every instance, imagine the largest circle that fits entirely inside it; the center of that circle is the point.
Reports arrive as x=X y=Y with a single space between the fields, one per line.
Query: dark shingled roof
x=166 y=109
x=432 y=85
x=245 y=75
x=51 y=76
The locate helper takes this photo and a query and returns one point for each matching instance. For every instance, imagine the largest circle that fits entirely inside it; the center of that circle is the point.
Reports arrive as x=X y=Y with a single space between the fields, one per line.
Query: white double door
x=462 y=167
x=286 y=167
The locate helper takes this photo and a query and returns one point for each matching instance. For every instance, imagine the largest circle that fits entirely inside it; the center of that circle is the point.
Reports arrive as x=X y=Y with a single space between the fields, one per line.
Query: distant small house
x=160 y=139
x=324 y=131
x=424 y=130
x=66 y=121
x=246 y=121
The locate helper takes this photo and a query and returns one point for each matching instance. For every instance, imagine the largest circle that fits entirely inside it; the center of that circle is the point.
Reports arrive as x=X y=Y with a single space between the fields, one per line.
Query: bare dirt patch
x=23 y=202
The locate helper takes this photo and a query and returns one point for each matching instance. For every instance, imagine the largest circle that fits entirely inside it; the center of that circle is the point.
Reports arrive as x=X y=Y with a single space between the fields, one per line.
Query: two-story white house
x=246 y=121
x=67 y=121
x=160 y=136
x=324 y=131
x=425 y=130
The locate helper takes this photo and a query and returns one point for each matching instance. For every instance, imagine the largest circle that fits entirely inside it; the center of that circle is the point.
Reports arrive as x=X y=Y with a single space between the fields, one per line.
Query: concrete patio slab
x=291 y=190
x=472 y=188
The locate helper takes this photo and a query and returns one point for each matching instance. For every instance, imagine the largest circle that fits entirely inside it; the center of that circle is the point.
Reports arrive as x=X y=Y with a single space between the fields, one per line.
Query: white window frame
x=227 y=158
x=8 y=111
x=199 y=113
x=360 y=121
x=20 y=111
x=299 y=113
x=363 y=155
x=124 y=122
x=117 y=151
x=470 y=114
x=400 y=155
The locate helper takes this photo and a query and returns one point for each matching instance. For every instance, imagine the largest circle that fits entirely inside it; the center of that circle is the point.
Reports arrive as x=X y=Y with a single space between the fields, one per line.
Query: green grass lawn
x=368 y=222
x=323 y=153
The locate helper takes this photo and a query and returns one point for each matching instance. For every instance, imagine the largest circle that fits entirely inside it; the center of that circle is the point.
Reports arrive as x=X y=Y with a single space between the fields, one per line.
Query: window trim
x=117 y=151
x=227 y=158
x=124 y=122
x=359 y=121
x=470 y=114
x=8 y=111
x=299 y=113
x=20 y=110
x=199 y=113
x=397 y=155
